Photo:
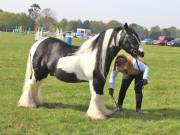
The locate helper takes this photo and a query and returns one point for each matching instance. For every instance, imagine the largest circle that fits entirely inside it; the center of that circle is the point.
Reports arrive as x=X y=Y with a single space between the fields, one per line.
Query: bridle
x=133 y=50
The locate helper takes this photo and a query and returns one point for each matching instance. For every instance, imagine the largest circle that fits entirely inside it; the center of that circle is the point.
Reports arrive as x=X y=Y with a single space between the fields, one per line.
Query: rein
x=138 y=65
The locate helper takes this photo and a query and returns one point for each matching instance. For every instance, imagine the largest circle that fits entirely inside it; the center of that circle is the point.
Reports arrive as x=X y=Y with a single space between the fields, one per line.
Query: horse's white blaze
x=80 y=64
x=105 y=47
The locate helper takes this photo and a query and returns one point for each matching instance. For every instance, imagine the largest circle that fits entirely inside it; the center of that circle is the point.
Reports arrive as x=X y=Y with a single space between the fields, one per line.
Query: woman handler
x=131 y=68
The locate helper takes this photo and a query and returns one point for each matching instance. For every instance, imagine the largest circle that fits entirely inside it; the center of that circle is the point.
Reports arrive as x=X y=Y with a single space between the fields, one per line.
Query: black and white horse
x=89 y=62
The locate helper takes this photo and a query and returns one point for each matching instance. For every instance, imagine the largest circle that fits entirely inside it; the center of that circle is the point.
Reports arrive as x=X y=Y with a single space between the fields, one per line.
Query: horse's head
x=129 y=40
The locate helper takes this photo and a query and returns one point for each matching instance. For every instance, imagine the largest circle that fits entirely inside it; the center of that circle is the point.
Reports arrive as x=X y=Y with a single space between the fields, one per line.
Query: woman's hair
x=120 y=60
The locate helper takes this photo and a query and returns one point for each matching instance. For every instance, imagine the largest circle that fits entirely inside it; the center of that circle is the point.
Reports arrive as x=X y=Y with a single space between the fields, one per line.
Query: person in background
x=131 y=68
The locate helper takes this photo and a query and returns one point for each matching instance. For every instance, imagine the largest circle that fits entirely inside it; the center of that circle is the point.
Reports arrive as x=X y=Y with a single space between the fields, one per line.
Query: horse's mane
x=87 y=45
x=97 y=40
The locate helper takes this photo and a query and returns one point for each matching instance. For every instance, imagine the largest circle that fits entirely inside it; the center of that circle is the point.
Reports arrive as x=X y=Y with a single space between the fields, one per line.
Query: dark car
x=147 y=41
x=162 y=40
x=175 y=42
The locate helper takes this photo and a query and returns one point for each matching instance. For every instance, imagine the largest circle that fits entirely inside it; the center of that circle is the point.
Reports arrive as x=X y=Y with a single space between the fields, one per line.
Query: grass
x=66 y=104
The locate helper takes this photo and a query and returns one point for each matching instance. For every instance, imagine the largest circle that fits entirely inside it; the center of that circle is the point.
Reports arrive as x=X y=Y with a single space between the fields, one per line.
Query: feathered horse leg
x=31 y=94
x=97 y=109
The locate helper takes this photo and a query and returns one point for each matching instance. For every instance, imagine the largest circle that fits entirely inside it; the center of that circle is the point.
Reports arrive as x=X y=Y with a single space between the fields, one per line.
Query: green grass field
x=65 y=104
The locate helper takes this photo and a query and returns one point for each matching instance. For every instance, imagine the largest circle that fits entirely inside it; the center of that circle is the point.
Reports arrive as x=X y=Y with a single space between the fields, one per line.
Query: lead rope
x=138 y=65
x=114 y=101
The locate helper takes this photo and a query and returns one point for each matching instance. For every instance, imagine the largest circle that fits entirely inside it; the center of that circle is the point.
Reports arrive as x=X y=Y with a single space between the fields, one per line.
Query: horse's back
x=46 y=53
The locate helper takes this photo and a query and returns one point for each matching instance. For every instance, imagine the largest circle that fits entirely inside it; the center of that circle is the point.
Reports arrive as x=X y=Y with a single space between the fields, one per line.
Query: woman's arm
x=112 y=79
x=138 y=65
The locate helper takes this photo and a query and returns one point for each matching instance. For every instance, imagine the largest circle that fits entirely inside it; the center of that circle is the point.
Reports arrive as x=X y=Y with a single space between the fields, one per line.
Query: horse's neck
x=109 y=58
x=106 y=50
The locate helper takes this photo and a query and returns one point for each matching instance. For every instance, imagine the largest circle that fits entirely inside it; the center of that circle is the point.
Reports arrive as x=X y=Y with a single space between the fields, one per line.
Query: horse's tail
x=28 y=73
x=30 y=96
x=29 y=70
x=26 y=99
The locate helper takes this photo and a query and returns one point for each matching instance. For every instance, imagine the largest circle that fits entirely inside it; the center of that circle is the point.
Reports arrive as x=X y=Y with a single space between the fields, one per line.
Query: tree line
x=8 y=21
x=46 y=18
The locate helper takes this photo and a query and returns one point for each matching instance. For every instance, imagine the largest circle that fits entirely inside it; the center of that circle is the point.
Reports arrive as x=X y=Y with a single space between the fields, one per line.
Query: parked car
x=173 y=43
x=162 y=40
x=147 y=41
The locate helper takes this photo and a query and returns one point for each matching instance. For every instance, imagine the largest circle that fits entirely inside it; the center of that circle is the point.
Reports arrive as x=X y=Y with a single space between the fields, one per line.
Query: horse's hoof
x=27 y=105
x=40 y=103
x=96 y=117
x=108 y=112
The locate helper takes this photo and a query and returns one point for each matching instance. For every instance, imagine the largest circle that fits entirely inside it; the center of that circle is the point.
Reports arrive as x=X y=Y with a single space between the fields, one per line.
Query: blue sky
x=147 y=13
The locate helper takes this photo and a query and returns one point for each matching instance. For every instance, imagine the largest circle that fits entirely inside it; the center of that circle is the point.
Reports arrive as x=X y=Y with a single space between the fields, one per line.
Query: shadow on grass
x=62 y=105
x=149 y=114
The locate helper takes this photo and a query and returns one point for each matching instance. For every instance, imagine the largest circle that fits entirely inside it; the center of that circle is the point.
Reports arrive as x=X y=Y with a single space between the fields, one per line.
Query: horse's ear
x=126 y=27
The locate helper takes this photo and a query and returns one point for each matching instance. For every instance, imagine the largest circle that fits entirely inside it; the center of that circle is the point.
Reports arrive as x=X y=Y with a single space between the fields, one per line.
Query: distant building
x=83 y=32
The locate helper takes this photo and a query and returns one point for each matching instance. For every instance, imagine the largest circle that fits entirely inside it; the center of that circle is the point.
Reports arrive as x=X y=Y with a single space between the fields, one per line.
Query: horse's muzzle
x=134 y=52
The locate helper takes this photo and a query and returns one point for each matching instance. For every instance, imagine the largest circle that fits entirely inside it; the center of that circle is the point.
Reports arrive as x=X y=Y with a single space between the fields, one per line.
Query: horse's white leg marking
x=94 y=110
x=31 y=95
x=36 y=93
x=27 y=97
x=97 y=109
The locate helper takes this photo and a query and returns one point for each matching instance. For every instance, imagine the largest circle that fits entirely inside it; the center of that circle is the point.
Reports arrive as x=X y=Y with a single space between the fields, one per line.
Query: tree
x=155 y=32
x=165 y=32
x=48 y=19
x=86 y=24
x=79 y=23
x=142 y=32
x=146 y=33
x=34 y=11
x=113 y=24
x=9 y=21
x=71 y=26
x=172 y=31
x=63 y=23
x=97 y=26
x=178 y=33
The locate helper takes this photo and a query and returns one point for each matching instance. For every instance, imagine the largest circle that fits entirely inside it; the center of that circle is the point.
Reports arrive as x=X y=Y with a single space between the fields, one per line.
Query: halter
x=124 y=36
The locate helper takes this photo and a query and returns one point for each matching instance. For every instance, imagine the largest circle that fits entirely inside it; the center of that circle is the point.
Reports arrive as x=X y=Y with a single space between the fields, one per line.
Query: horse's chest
x=76 y=68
